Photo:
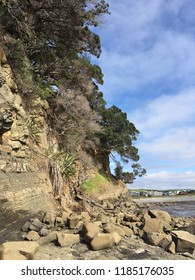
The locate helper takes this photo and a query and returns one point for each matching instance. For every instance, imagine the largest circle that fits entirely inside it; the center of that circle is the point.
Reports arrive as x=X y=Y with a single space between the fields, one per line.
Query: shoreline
x=170 y=199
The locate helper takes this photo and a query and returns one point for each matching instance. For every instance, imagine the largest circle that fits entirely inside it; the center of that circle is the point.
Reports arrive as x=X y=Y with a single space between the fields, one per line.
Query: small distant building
x=134 y=193
x=144 y=193
x=155 y=193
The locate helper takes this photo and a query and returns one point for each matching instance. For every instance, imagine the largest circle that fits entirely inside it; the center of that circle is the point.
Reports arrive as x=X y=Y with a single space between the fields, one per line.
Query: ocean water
x=178 y=209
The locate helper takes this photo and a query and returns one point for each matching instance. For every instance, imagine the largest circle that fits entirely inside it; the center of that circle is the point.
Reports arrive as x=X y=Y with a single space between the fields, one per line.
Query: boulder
x=85 y=216
x=44 y=231
x=64 y=218
x=32 y=236
x=102 y=241
x=103 y=218
x=190 y=228
x=113 y=228
x=37 y=223
x=153 y=225
x=73 y=221
x=185 y=241
x=26 y=226
x=160 y=214
x=49 y=219
x=128 y=232
x=12 y=255
x=131 y=218
x=90 y=230
x=158 y=239
x=67 y=239
x=117 y=237
x=171 y=248
x=26 y=248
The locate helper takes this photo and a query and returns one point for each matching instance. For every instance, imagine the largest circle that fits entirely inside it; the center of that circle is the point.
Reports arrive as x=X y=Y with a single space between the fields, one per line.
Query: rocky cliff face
x=30 y=180
x=24 y=181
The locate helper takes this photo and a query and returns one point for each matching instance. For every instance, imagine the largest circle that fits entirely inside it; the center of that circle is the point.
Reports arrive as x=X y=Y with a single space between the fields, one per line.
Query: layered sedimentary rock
x=25 y=187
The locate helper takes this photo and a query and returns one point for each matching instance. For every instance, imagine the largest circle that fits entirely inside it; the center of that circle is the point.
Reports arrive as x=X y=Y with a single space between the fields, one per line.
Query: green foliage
x=55 y=36
x=67 y=163
x=118 y=134
x=68 y=166
x=128 y=177
x=118 y=171
x=96 y=184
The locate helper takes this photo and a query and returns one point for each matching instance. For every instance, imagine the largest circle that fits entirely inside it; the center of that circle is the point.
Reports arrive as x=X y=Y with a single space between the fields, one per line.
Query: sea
x=175 y=206
x=179 y=209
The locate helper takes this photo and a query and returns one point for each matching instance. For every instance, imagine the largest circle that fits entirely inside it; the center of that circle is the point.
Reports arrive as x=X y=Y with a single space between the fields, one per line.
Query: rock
x=131 y=218
x=186 y=254
x=26 y=226
x=128 y=204
x=15 y=145
x=67 y=210
x=89 y=231
x=6 y=149
x=103 y=218
x=64 y=218
x=102 y=241
x=26 y=248
x=140 y=251
x=153 y=225
x=67 y=239
x=32 y=236
x=128 y=232
x=113 y=228
x=117 y=237
x=190 y=228
x=185 y=241
x=119 y=217
x=37 y=223
x=160 y=214
x=9 y=77
x=109 y=205
x=49 y=219
x=12 y=255
x=44 y=231
x=58 y=221
x=79 y=226
x=171 y=248
x=85 y=216
x=73 y=221
x=158 y=239
x=32 y=227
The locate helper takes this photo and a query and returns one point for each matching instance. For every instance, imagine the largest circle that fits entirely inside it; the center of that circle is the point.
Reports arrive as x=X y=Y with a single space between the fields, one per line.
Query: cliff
x=31 y=177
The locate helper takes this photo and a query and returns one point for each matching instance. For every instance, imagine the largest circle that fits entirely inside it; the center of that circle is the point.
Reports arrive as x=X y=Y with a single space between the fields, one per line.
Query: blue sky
x=148 y=61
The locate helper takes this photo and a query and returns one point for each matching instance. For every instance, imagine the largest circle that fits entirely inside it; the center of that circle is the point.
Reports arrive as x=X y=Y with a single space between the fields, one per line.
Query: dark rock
x=26 y=226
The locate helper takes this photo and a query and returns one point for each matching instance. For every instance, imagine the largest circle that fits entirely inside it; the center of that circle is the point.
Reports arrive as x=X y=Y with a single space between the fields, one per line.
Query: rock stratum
x=30 y=179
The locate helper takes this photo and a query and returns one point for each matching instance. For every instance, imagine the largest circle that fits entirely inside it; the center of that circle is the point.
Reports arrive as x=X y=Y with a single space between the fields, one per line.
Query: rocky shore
x=119 y=230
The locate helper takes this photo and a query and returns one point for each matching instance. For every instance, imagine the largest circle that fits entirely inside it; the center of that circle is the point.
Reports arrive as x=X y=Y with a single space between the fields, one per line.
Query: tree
x=54 y=35
x=118 y=136
x=128 y=177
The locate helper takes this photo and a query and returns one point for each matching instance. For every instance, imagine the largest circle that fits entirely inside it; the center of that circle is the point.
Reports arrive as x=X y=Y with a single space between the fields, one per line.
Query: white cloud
x=171 y=58
x=148 y=60
x=141 y=46
x=165 y=112
x=165 y=179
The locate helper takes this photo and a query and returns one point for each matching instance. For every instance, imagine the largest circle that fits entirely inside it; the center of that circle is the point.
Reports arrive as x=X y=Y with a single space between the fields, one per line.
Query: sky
x=148 y=61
